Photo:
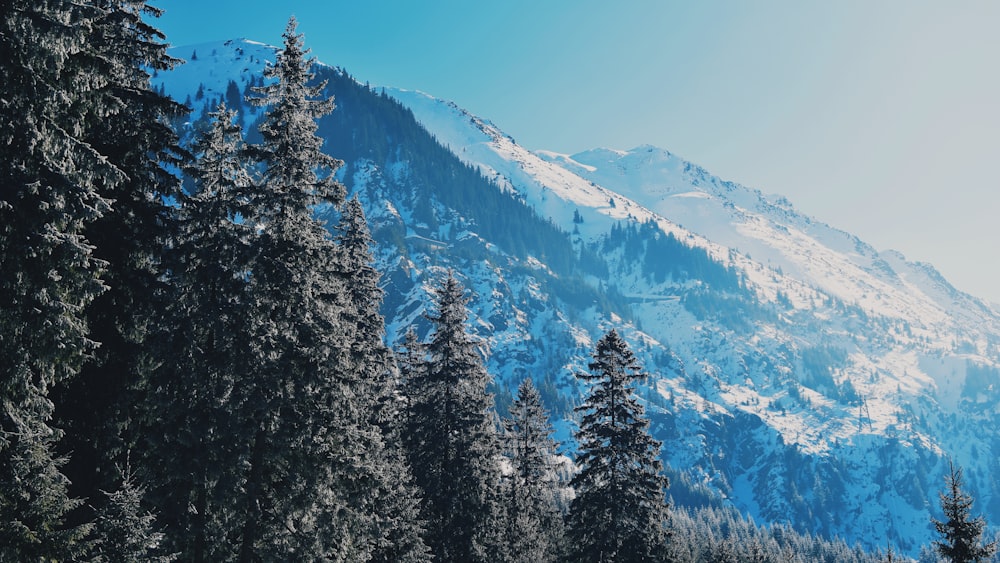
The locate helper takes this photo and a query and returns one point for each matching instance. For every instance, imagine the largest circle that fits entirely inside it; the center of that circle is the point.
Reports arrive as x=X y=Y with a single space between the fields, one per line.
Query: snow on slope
x=237 y=60
x=778 y=248
x=910 y=342
x=655 y=184
x=770 y=229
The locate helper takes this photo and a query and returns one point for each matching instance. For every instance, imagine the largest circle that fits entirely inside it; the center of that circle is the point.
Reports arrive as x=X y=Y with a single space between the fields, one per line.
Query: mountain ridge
x=798 y=372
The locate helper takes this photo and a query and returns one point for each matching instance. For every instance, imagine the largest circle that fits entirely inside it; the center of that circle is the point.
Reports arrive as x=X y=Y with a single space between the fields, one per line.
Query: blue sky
x=881 y=118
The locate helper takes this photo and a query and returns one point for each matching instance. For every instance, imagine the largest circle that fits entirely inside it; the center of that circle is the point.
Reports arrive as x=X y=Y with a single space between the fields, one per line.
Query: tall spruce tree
x=316 y=467
x=394 y=502
x=192 y=441
x=534 y=522
x=619 y=512
x=294 y=406
x=50 y=180
x=360 y=308
x=129 y=127
x=961 y=534
x=451 y=437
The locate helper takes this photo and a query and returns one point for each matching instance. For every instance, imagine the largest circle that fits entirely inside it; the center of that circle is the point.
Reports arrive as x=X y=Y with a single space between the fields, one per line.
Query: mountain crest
x=798 y=373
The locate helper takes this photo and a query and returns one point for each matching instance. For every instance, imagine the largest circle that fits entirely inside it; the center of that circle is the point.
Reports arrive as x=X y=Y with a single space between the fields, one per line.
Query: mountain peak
x=796 y=371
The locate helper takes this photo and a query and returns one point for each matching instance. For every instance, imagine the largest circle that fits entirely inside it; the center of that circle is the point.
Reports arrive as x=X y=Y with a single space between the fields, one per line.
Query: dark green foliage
x=127 y=125
x=193 y=441
x=315 y=480
x=234 y=98
x=533 y=490
x=722 y=535
x=961 y=534
x=619 y=512
x=125 y=531
x=50 y=194
x=664 y=257
x=302 y=474
x=451 y=438
x=818 y=365
x=394 y=505
x=33 y=492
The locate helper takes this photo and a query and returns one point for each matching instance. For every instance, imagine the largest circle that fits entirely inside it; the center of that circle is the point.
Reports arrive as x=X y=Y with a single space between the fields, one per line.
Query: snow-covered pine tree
x=534 y=521
x=128 y=125
x=619 y=512
x=961 y=534
x=126 y=532
x=193 y=446
x=360 y=308
x=316 y=465
x=451 y=438
x=49 y=196
x=293 y=401
x=395 y=501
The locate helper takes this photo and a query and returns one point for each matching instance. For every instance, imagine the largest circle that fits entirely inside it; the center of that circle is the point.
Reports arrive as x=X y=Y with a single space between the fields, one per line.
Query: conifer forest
x=194 y=365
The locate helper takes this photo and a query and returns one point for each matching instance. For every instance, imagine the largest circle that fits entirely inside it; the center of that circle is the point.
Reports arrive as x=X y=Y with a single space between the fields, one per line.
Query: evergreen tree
x=50 y=178
x=296 y=407
x=193 y=445
x=451 y=437
x=128 y=126
x=234 y=98
x=619 y=512
x=317 y=468
x=961 y=535
x=360 y=307
x=395 y=507
x=534 y=522
x=125 y=532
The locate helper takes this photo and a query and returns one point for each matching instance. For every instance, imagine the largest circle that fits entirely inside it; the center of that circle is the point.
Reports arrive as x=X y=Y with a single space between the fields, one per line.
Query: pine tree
x=360 y=307
x=317 y=468
x=451 y=437
x=50 y=178
x=890 y=555
x=961 y=535
x=296 y=408
x=395 y=507
x=125 y=531
x=619 y=512
x=534 y=522
x=192 y=444
x=128 y=126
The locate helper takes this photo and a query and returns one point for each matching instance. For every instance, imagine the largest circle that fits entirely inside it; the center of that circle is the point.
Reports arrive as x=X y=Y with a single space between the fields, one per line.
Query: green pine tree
x=961 y=534
x=619 y=512
x=534 y=522
x=193 y=445
x=125 y=531
x=128 y=126
x=395 y=508
x=294 y=404
x=451 y=438
x=52 y=179
x=317 y=471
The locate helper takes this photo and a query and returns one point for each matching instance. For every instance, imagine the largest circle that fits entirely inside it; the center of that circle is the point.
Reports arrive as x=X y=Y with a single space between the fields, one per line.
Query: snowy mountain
x=796 y=372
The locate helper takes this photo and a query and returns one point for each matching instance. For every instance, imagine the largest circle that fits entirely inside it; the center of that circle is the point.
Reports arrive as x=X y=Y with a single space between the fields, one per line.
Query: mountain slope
x=796 y=371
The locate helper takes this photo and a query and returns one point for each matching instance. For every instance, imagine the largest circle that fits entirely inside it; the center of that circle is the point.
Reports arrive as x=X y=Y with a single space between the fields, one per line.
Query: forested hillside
x=254 y=326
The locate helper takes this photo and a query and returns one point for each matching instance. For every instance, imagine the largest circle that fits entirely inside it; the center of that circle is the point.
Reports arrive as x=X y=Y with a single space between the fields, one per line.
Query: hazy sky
x=878 y=117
